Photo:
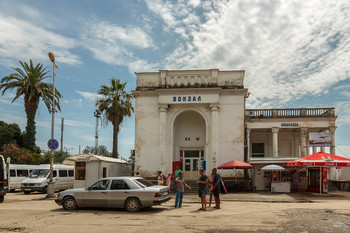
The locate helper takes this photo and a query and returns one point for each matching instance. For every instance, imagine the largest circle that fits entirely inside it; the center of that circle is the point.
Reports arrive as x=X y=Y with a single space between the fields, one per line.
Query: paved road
x=328 y=213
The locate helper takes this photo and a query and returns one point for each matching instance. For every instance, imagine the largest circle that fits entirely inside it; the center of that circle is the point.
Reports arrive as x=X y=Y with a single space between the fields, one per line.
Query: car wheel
x=26 y=192
x=1 y=198
x=69 y=203
x=132 y=205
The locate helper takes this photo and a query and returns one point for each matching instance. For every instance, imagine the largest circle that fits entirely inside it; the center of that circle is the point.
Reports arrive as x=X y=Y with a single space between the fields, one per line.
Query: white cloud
x=24 y=38
x=113 y=44
x=90 y=96
x=76 y=123
x=289 y=49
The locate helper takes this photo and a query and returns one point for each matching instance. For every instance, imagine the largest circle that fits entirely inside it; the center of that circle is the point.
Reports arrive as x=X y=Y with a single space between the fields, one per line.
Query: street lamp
x=51 y=184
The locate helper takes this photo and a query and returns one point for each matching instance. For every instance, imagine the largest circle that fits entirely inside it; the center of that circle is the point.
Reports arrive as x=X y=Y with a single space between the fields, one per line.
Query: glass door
x=192 y=163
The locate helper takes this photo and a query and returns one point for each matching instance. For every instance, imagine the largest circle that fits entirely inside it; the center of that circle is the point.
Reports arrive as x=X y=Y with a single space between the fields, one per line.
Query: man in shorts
x=202 y=189
x=216 y=188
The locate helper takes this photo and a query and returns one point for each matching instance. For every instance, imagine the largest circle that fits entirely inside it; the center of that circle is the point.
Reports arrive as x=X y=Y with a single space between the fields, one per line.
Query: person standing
x=216 y=188
x=160 y=179
x=180 y=189
x=168 y=181
x=177 y=172
x=202 y=188
x=210 y=181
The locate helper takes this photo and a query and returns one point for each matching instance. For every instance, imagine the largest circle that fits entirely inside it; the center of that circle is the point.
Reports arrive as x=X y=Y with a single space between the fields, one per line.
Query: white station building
x=197 y=118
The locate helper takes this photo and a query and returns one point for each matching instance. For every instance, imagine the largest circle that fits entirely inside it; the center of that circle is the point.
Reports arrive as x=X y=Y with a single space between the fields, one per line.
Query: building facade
x=197 y=118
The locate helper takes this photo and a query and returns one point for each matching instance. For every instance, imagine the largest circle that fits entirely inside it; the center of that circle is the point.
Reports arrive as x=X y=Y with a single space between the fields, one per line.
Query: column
x=332 y=130
x=323 y=149
x=275 y=141
x=314 y=150
x=214 y=111
x=248 y=144
x=163 y=112
x=296 y=144
x=303 y=135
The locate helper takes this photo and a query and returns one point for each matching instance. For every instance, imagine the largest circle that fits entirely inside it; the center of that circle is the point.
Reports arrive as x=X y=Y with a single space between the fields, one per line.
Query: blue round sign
x=53 y=144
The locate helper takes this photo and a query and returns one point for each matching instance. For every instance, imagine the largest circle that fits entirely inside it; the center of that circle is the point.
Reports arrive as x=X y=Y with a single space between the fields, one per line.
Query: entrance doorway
x=192 y=162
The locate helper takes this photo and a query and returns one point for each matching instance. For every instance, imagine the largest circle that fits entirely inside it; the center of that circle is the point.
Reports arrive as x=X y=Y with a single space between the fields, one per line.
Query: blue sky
x=295 y=54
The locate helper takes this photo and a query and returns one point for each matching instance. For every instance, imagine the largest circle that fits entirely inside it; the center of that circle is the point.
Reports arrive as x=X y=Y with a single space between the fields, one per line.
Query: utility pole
x=97 y=114
x=79 y=149
x=62 y=127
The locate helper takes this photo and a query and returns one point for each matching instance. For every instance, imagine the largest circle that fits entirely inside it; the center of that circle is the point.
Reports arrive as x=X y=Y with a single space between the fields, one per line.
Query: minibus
x=18 y=172
x=63 y=177
x=3 y=178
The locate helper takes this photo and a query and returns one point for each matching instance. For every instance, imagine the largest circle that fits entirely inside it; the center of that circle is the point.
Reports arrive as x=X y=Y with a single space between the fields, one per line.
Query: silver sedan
x=131 y=193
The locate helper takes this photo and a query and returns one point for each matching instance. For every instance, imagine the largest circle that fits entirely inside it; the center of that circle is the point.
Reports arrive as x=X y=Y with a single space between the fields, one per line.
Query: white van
x=18 y=172
x=63 y=176
x=3 y=178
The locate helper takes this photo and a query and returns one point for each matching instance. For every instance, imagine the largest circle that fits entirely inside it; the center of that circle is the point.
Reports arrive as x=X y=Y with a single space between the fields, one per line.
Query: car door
x=96 y=195
x=119 y=191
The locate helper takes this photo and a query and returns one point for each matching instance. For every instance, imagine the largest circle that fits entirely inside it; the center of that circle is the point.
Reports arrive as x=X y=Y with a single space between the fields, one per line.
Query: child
x=210 y=181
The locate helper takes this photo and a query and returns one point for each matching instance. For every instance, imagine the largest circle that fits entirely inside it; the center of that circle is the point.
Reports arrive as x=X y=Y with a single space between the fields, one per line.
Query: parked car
x=63 y=176
x=3 y=179
x=18 y=173
x=130 y=193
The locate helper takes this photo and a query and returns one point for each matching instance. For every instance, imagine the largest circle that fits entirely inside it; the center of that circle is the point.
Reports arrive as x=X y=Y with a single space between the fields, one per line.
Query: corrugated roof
x=71 y=160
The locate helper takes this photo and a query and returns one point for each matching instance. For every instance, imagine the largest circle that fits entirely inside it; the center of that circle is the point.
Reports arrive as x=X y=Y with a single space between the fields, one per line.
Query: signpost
x=53 y=144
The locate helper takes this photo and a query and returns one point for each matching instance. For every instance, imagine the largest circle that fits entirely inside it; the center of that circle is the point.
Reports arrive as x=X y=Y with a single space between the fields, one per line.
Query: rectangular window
x=104 y=172
x=80 y=170
x=12 y=173
x=118 y=185
x=22 y=173
x=192 y=153
x=258 y=149
x=62 y=173
x=71 y=173
x=54 y=173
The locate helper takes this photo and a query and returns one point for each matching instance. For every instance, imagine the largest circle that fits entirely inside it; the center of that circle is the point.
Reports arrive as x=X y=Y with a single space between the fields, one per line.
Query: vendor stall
x=277 y=185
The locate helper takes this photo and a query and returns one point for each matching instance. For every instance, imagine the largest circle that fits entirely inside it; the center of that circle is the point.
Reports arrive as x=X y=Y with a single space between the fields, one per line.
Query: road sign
x=52 y=144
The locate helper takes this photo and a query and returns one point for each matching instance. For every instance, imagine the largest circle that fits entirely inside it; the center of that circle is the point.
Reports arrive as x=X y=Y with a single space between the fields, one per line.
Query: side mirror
x=88 y=188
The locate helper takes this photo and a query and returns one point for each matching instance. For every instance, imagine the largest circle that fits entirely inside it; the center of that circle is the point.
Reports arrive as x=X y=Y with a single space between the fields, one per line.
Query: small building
x=90 y=168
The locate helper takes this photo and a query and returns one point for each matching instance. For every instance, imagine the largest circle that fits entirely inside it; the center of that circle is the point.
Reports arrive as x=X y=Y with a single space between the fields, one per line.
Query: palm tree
x=114 y=104
x=30 y=84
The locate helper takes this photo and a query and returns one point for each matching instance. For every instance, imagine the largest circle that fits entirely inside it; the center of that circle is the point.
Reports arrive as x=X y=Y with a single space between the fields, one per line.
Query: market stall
x=277 y=185
x=317 y=165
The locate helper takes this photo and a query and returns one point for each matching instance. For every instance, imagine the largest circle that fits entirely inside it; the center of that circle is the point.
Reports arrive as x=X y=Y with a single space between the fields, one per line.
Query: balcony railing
x=290 y=113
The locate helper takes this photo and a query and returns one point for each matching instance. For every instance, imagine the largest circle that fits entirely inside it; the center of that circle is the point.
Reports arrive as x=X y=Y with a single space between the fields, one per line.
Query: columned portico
x=275 y=141
x=214 y=112
x=332 y=130
x=304 y=144
x=163 y=111
x=248 y=144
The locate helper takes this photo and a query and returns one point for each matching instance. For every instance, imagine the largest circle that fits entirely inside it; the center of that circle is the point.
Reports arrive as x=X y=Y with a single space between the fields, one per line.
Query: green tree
x=10 y=133
x=30 y=84
x=114 y=104
x=101 y=150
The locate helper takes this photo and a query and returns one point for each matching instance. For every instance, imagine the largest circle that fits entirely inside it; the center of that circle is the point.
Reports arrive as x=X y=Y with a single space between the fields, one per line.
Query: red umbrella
x=320 y=159
x=235 y=164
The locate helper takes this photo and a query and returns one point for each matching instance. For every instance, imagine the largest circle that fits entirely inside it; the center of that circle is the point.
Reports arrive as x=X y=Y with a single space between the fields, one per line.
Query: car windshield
x=39 y=173
x=143 y=183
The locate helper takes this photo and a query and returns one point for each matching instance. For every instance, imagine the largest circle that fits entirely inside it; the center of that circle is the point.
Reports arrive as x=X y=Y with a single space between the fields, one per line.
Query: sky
x=295 y=54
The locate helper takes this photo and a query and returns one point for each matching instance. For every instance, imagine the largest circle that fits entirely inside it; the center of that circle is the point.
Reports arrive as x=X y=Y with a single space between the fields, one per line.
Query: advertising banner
x=320 y=139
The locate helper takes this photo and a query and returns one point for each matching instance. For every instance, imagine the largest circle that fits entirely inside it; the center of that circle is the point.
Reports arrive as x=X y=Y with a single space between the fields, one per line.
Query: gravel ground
x=326 y=213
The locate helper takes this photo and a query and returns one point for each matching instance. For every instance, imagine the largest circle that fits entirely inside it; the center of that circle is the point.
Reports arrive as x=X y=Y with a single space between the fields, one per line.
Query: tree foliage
x=114 y=104
x=101 y=150
x=10 y=133
x=29 y=83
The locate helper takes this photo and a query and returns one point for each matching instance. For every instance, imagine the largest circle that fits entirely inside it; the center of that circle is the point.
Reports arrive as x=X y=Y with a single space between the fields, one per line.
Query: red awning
x=320 y=159
x=235 y=164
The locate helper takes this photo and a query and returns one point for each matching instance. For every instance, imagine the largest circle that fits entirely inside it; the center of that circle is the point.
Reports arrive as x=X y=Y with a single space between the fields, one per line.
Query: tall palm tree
x=29 y=83
x=114 y=104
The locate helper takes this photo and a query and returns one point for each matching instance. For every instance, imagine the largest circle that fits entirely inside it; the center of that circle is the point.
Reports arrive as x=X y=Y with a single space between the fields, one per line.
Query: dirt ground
x=328 y=213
